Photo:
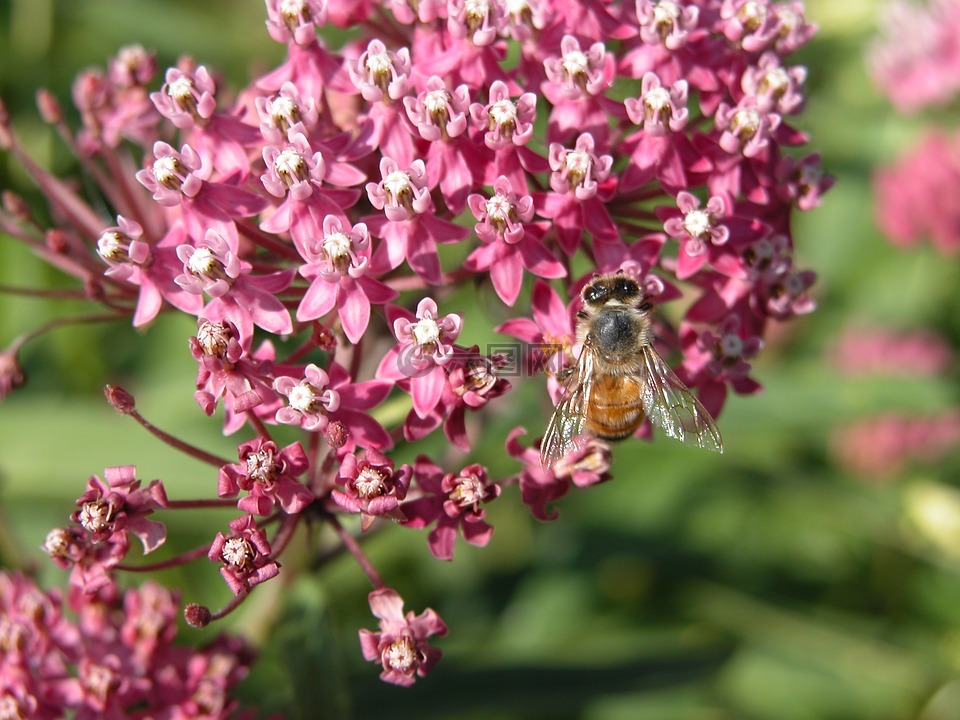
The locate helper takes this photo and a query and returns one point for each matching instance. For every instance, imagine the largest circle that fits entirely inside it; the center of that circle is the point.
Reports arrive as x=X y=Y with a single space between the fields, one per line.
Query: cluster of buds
x=540 y=141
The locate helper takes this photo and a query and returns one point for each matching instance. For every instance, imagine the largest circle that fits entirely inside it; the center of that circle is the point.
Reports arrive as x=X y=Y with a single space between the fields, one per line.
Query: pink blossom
x=577 y=72
x=269 y=476
x=153 y=269
x=586 y=465
x=118 y=505
x=244 y=555
x=511 y=242
x=337 y=264
x=452 y=501
x=381 y=74
x=667 y=23
x=226 y=370
x=371 y=486
x=504 y=121
x=425 y=346
x=881 y=447
x=237 y=294
x=186 y=98
x=310 y=400
x=285 y=115
x=401 y=644
x=296 y=21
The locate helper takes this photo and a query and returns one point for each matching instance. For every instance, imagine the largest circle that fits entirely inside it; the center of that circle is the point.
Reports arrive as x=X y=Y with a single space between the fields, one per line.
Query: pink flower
x=587 y=465
x=237 y=294
x=186 y=98
x=286 y=115
x=296 y=21
x=371 y=486
x=381 y=74
x=131 y=259
x=579 y=73
x=337 y=265
x=504 y=121
x=509 y=246
x=452 y=501
x=310 y=400
x=319 y=398
x=425 y=347
x=118 y=505
x=244 y=555
x=578 y=170
x=226 y=370
x=874 y=350
x=401 y=644
x=269 y=476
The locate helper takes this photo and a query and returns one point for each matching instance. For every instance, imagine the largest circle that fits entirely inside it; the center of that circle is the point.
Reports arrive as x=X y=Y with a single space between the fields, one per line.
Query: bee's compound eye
x=626 y=287
x=594 y=293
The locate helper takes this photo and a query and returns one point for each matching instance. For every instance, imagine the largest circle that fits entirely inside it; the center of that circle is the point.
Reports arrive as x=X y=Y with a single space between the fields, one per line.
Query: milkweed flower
x=327 y=228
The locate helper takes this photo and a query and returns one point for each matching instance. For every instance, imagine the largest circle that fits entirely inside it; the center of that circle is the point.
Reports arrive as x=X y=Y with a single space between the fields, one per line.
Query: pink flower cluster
x=881 y=447
x=916 y=58
x=117 y=660
x=916 y=196
x=300 y=222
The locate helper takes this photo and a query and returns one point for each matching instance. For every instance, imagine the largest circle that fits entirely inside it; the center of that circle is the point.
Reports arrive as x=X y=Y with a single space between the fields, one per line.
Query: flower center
x=114 y=246
x=291 y=167
x=261 y=467
x=731 y=346
x=182 y=91
x=205 y=263
x=575 y=63
x=697 y=223
x=500 y=212
x=169 y=172
x=337 y=247
x=214 y=338
x=577 y=164
x=285 y=113
x=469 y=491
x=370 y=482
x=775 y=82
x=57 y=543
x=95 y=516
x=665 y=17
x=476 y=12
x=426 y=334
x=100 y=681
x=752 y=15
x=237 y=552
x=503 y=115
x=401 y=655
x=292 y=11
x=745 y=123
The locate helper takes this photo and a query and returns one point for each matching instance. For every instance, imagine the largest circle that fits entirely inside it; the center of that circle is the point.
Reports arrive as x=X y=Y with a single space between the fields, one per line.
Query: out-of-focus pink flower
x=862 y=350
x=916 y=196
x=916 y=58
x=879 y=448
x=401 y=644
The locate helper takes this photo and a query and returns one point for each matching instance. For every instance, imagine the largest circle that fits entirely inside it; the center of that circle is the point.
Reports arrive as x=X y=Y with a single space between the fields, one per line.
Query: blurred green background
x=769 y=583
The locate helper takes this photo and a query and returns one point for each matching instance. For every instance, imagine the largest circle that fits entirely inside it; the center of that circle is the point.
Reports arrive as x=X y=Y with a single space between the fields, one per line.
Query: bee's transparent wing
x=673 y=408
x=571 y=412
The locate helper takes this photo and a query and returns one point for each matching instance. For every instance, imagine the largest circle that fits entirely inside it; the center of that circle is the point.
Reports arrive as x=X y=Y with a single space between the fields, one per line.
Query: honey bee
x=620 y=378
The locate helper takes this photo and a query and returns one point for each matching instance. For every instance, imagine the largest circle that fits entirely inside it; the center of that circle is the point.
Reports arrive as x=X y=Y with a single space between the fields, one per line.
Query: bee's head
x=616 y=288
